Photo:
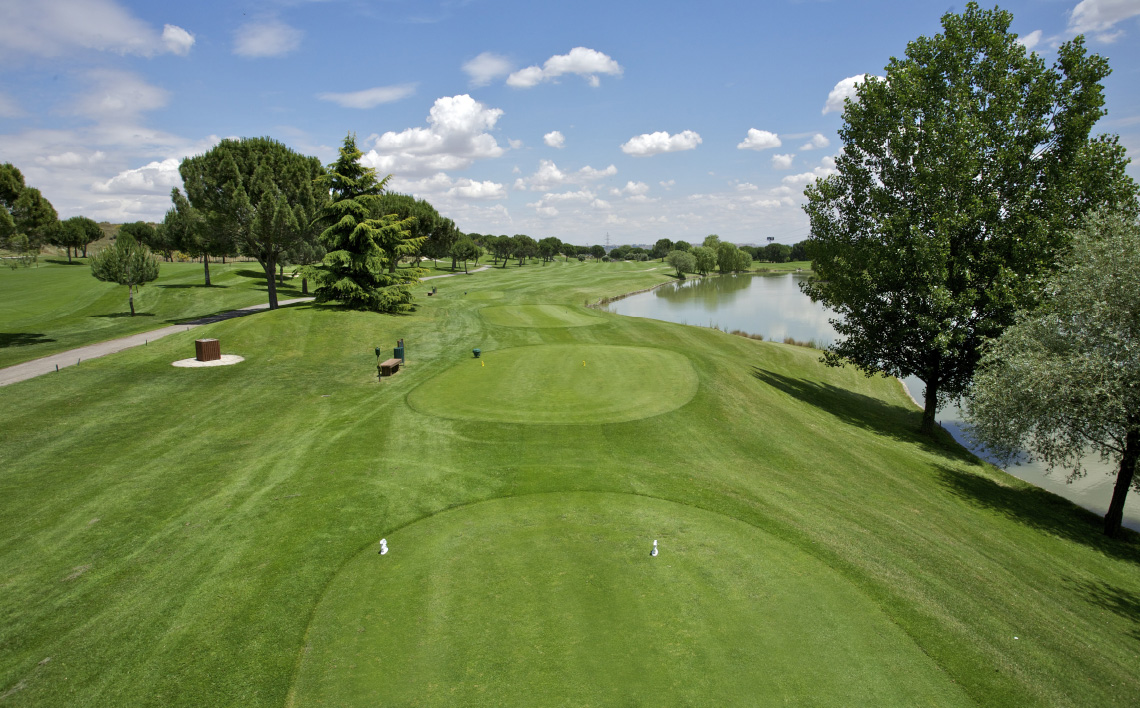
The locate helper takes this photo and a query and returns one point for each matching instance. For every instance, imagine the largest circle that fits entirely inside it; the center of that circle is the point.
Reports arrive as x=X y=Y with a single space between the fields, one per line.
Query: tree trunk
x=281 y=273
x=1115 y=513
x=465 y=267
x=206 y=263
x=131 y=299
x=84 y=250
x=304 y=285
x=271 y=281
x=930 y=408
x=68 y=253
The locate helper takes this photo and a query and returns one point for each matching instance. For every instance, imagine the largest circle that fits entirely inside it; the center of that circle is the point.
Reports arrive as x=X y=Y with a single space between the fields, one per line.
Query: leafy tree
x=187 y=231
x=27 y=218
x=1066 y=376
x=961 y=172
x=548 y=248
x=76 y=233
x=464 y=250
x=711 y=241
x=503 y=248
x=360 y=247
x=777 y=253
x=523 y=247
x=260 y=194
x=705 y=258
x=661 y=248
x=126 y=262
x=799 y=251
x=682 y=261
x=731 y=259
x=620 y=253
x=306 y=253
x=437 y=238
x=597 y=251
x=683 y=246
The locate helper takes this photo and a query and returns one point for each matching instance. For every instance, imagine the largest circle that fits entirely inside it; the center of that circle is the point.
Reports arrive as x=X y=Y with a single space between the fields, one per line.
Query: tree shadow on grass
x=116 y=315
x=865 y=412
x=56 y=261
x=188 y=286
x=22 y=339
x=1041 y=510
x=1115 y=599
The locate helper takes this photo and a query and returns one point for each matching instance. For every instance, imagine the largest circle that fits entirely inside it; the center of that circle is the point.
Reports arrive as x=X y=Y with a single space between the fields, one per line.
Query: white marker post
x=653 y=553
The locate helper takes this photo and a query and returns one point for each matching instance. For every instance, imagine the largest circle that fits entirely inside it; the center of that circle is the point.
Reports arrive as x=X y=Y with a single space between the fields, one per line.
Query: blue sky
x=642 y=120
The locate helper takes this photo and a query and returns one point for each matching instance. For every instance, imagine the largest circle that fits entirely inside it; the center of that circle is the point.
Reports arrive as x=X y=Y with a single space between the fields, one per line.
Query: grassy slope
x=168 y=534
x=56 y=307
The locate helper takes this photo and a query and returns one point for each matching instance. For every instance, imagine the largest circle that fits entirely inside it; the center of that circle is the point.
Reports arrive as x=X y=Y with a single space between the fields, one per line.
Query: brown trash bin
x=207 y=350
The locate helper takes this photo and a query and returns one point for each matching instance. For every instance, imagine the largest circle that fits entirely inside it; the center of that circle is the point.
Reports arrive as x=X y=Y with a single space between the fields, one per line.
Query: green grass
x=553 y=599
x=55 y=307
x=208 y=536
x=539 y=316
x=560 y=384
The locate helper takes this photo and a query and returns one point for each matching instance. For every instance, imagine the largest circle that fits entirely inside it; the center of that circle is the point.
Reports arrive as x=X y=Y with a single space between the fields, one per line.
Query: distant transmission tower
x=607 y=240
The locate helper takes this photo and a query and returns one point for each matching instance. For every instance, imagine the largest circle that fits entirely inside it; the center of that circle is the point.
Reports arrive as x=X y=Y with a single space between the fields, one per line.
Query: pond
x=772 y=305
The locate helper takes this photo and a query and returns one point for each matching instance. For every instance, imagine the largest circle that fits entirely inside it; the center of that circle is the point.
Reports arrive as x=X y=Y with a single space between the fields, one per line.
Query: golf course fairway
x=560 y=384
x=553 y=599
x=539 y=316
x=208 y=536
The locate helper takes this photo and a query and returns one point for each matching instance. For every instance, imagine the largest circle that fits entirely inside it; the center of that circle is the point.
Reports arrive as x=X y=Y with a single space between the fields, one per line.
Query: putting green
x=539 y=316
x=553 y=599
x=560 y=383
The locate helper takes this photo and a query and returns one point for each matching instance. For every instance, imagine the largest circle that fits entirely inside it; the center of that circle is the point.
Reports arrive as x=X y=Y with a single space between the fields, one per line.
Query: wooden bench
x=389 y=367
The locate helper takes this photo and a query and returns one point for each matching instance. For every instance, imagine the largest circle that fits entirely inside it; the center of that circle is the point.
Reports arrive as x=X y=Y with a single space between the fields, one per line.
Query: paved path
x=38 y=367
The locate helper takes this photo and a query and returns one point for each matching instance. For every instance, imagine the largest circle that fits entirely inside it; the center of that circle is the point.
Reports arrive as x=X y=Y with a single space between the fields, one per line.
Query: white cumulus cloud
x=456 y=135
x=817 y=141
x=783 y=162
x=1029 y=41
x=554 y=139
x=843 y=90
x=153 y=178
x=1100 y=16
x=487 y=67
x=440 y=184
x=584 y=62
x=177 y=40
x=548 y=176
x=759 y=140
x=266 y=38
x=648 y=144
x=55 y=27
x=370 y=98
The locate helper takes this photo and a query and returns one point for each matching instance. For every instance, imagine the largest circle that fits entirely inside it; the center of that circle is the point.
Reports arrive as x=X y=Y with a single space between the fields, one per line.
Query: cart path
x=71 y=357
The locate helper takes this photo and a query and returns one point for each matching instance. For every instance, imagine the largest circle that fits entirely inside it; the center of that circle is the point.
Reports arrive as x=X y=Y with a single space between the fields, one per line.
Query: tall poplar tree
x=961 y=172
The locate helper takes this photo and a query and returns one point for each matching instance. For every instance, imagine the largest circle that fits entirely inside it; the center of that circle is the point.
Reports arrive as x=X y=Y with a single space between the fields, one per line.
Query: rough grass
x=225 y=517
x=55 y=307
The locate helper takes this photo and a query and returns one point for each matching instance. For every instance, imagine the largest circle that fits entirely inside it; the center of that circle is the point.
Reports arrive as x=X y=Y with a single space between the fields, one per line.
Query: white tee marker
x=383 y=546
x=653 y=553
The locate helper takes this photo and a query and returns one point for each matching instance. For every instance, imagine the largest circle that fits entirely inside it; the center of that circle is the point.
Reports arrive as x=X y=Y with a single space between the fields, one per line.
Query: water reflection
x=772 y=305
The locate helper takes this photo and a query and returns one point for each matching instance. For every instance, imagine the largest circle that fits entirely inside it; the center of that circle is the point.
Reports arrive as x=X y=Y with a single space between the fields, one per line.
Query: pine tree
x=360 y=246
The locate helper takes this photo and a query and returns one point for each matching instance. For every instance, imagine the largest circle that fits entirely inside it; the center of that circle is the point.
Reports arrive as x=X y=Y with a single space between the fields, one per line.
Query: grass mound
x=560 y=384
x=539 y=316
x=562 y=587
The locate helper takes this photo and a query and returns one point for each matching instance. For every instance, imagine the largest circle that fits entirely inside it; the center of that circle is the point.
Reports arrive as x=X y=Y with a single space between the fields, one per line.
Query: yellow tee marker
x=484 y=363
x=583 y=362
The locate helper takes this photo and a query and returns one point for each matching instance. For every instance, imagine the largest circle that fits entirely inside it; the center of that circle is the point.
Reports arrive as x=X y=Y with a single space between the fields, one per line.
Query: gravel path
x=38 y=367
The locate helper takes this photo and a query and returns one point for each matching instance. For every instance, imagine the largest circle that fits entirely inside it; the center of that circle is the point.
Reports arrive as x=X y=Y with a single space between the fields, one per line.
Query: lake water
x=772 y=305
